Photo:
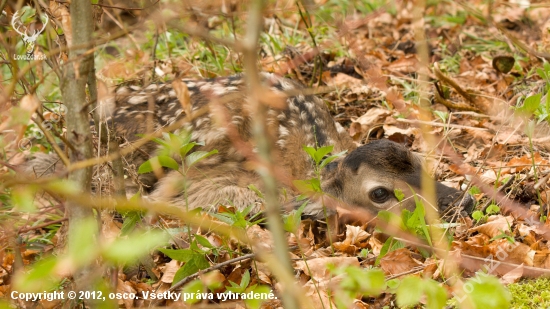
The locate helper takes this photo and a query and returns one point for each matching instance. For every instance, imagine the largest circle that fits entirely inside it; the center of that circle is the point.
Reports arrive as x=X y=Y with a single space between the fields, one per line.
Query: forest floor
x=480 y=70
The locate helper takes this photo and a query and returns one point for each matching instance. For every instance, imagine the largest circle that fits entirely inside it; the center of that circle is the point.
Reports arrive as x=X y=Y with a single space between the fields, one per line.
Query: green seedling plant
x=194 y=257
x=480 y=217
x=356 y=281
x=291 y=222
x=312 y=187
x=411 y=290
x=412 y=222
x=534 y=105
x=176 y=145
x=243 y=289
x=239 y=218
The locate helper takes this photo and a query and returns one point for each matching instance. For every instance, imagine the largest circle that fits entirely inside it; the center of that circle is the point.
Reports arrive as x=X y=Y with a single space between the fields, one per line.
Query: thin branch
x=126 y=9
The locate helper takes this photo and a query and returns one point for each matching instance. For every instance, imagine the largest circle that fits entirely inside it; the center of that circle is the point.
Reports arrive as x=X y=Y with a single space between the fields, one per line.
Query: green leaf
x=186 y=270
x=130 y=249
x=190 y=289
x=308 y=186
x=531 y=104
x=183 y=255
x=474 y=190
x=331 y=158
x=186 y=148
x=393 y=284
x=41 y=277
x=64 y=186
x=482 y=285
x=292 y=222
x=371 y=282
x=156 y=162
x=409 y=291
x=197 y=156
x=492 y=209
x=23 y=198
x=257 y=303
x=310 y=151
x=256 y=190
x=157 y=140
x=389 y=245
x=203 y=241
x=420 y=214
x=442 y=115
x=83 y=241
x=168 y=162
x=198 y=262
x=145 y=167
x=245 y=279
x=399 y=195
x=391 y=218
x=130 y=221
x=240 y=288
x=477 y=215
x=435 y=294
x=321 y=152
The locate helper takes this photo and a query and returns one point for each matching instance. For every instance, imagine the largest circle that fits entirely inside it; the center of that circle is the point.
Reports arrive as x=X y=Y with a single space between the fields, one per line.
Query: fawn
x=218 y=113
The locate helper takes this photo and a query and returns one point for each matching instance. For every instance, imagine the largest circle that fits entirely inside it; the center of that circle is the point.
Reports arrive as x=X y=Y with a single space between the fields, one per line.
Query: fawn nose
x=457 y=202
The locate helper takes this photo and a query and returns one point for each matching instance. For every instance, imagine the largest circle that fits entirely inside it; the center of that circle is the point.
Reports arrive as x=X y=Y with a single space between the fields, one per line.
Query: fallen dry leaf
x=363 y=124
x=398 y=261
x=170 y=270
x=497 y=225
x=317 y=268
x=512 y=276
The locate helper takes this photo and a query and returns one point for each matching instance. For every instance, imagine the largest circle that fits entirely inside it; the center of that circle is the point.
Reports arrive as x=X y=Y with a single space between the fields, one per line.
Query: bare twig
x=282 y=267
x=127 y=9
x=55 y=147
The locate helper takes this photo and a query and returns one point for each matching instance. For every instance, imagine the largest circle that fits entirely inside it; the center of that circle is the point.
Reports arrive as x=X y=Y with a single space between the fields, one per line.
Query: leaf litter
x=478 y=98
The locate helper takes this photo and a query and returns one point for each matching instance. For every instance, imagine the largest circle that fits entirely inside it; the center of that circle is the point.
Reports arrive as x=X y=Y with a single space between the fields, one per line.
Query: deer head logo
x=29 y=40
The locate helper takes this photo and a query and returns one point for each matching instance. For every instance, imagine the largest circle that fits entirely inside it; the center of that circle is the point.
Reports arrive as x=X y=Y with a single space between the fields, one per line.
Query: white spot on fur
x=283 y=131
x=319 y=122
x=201 y=121
x=339 y=128
x=137 y=99
x=122 y=90
x=212 y=136
x=237 y=120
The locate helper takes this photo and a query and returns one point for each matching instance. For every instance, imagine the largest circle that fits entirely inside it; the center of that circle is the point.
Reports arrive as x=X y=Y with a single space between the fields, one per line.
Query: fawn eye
x=379 y=195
